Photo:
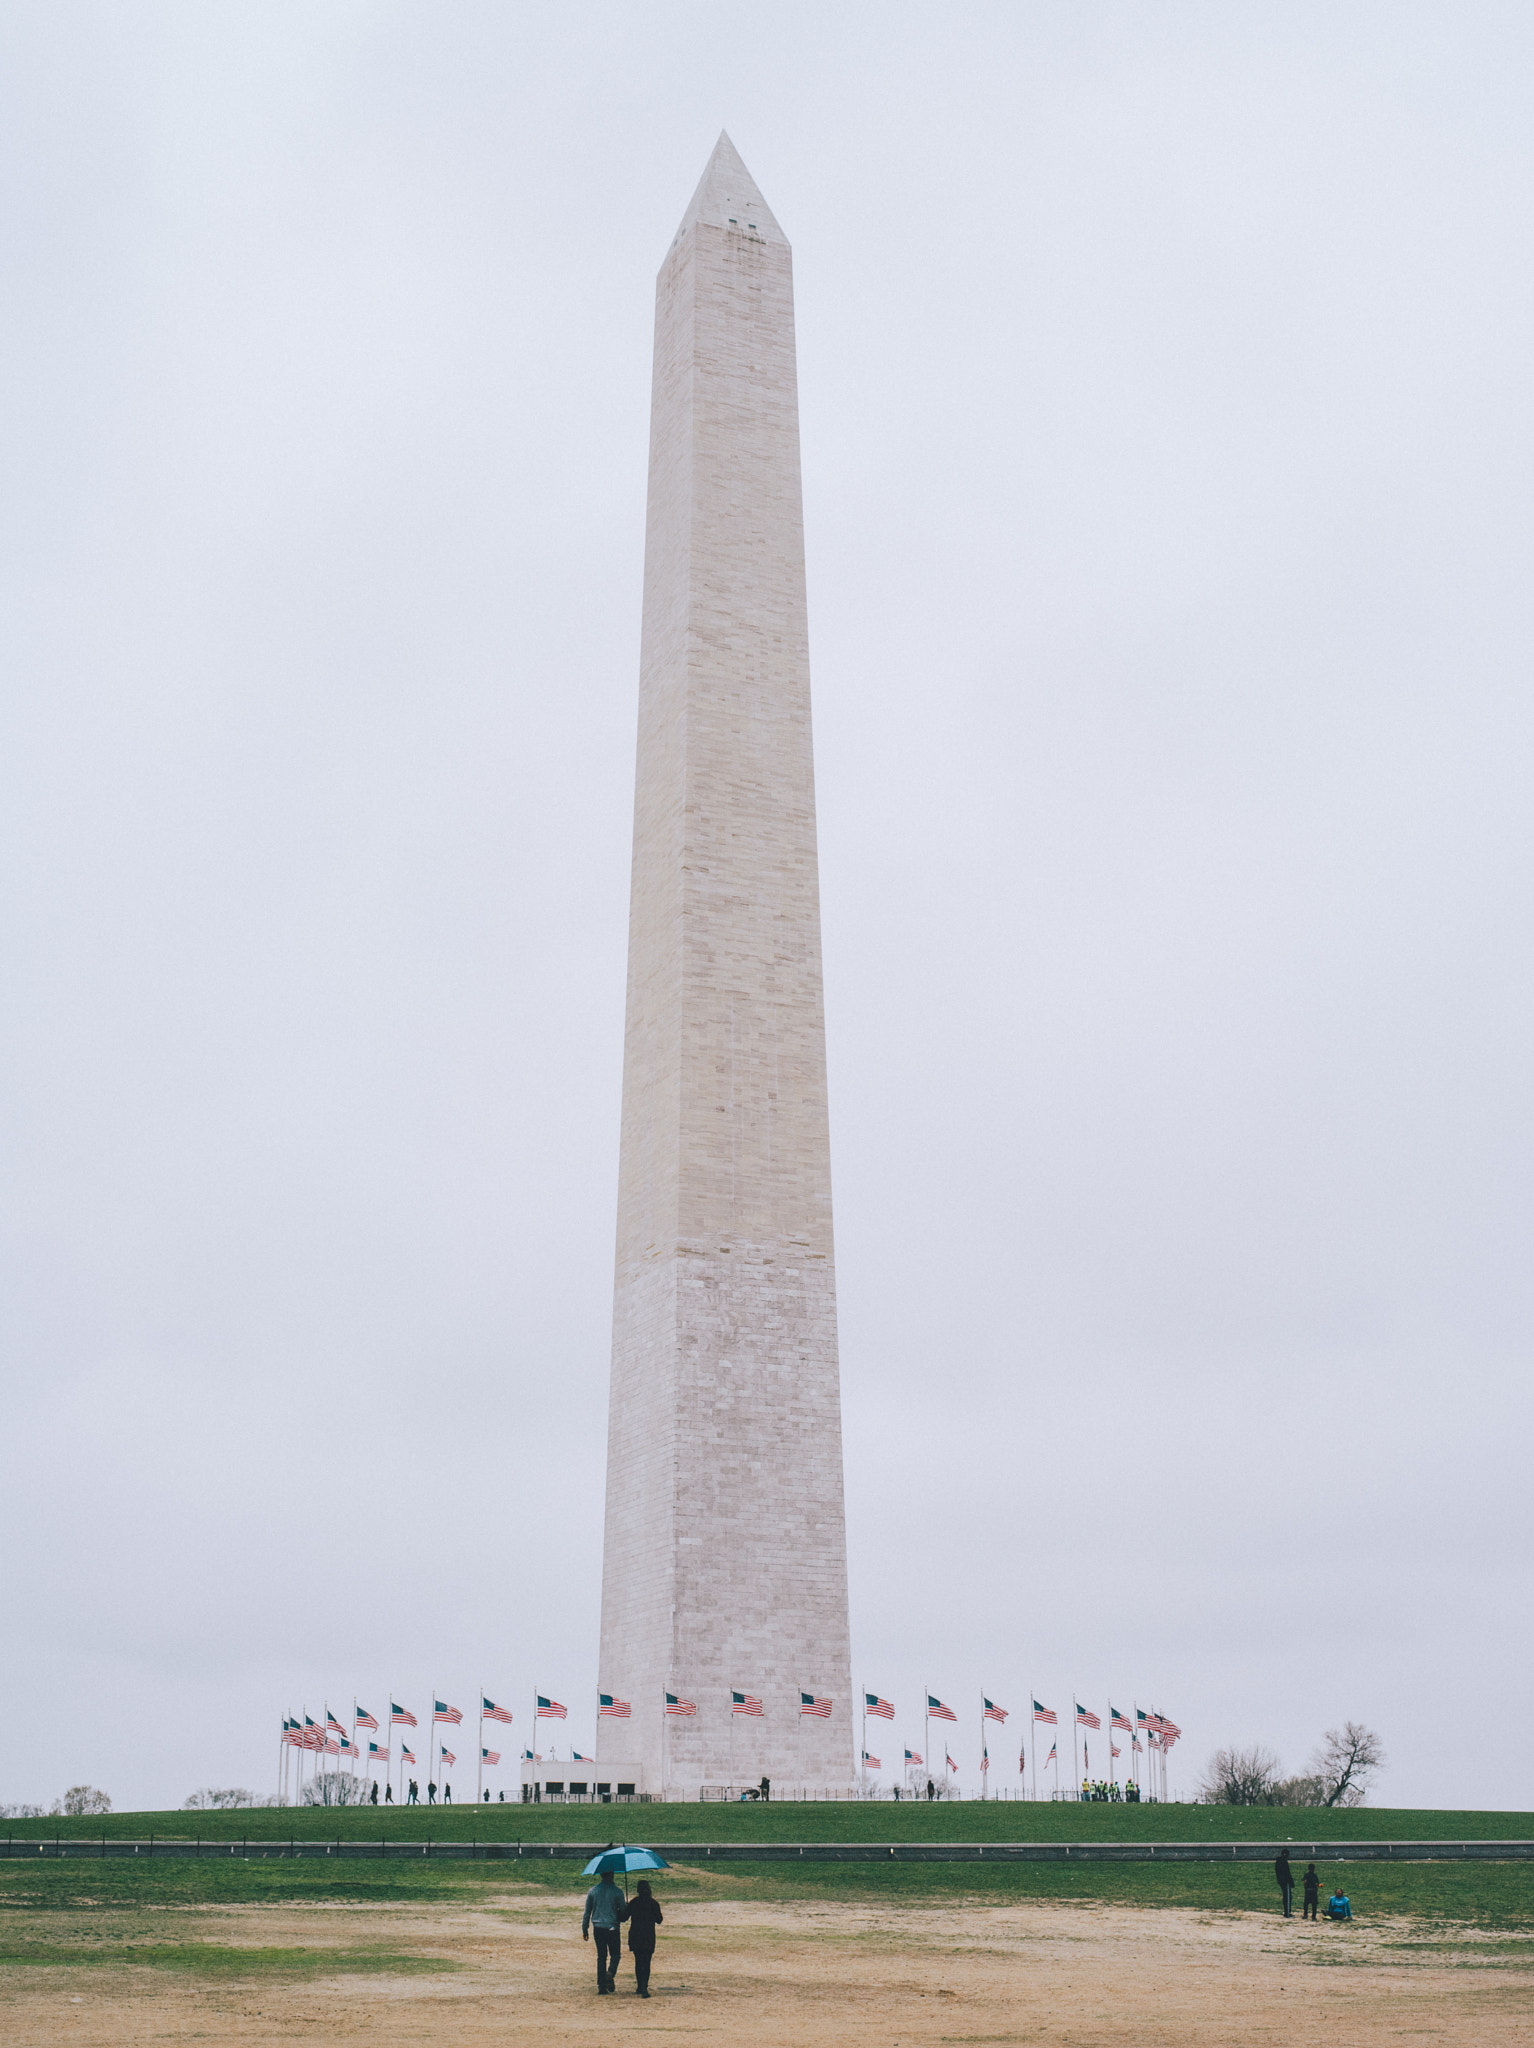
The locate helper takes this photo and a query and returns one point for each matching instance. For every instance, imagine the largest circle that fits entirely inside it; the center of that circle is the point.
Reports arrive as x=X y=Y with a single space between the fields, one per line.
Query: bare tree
x=335 y=1788
x=1344 y=1763
x=216 y=1796
x=83 y=1799
x=22 y=1812
x=1241 y=1777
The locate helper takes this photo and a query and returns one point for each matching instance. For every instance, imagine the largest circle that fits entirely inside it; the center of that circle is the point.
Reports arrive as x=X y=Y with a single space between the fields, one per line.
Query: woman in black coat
x=643 y=1916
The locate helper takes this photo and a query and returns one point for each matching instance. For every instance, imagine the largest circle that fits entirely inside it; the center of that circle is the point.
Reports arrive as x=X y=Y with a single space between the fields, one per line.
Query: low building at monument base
x=558 y=1781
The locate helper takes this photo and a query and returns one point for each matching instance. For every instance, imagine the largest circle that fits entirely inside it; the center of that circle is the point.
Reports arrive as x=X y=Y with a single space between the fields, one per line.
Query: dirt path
x=803 y=1976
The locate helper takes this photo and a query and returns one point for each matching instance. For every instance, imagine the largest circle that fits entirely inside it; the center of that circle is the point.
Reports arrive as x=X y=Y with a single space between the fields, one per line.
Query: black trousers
x=643 y=1957
x=1287 y=1892
x=1310 y=1907
x=608 y=1952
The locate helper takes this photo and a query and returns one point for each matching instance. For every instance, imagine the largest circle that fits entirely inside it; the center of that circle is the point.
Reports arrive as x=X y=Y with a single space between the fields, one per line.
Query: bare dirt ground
x=816 y=1975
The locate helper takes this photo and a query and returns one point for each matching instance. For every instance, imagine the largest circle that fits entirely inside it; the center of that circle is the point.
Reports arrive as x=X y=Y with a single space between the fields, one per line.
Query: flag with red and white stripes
x=365 y=1720
x=1085 y=1718
x=447 y=1757
x=991 y=1711
x=487 y=1756
x=746 y=1703
x=871 y=1763
x=937 y=1711
x=675 y=1704
x=492 y=1712
x=812 y=1703
x=617 y=1710
x=402 y=1715
x=443 y=1712
x=1045 y=1714
x=873 y=1704
x=549 y=1710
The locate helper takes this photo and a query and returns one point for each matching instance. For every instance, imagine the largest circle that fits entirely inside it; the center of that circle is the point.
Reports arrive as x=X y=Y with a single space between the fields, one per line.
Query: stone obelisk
x=724 y=1564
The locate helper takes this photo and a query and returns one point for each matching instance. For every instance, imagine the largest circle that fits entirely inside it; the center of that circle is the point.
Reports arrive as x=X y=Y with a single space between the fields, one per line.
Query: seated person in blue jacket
x=1338 y=1906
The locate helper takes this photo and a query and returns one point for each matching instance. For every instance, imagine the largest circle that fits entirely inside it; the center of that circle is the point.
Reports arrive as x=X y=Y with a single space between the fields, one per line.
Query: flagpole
x=1075 y=1747
x=1111 y=1779
x=926 y=1729
x=1033 y=1737
x=479 y=1781
x=863 y=1751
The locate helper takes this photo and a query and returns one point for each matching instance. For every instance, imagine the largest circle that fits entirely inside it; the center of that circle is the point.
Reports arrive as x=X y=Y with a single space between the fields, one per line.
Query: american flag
x=1118 y=1720
x=618 y=1710
x=675 y=1704
x=1143 y=1719
x=348 y=1747
x=577 y=1758
x=406 y=1756
x=491 y=1712
x=950 y=1763
x=447 y=1757
x=529 y=1758
x=810 y=1704
x=1085 y=1718
x=938 y=1711
x=991 y=1711
x=1170 y=1728
x=1136 y=1744
x=548 y=1710
x=985 y=1759
x=377 y=1755
x=746 y=1703
x=913 y=1756
x=871 y=1763
x=365 y=1720
x=332 y=1722
x=874 y=1705
x=332 y=1747
x=1114 y=1752
x=1046 y=1714
x=487 y=1756
x=1051 y=1757
x=443 y=1712
x=402 y=1715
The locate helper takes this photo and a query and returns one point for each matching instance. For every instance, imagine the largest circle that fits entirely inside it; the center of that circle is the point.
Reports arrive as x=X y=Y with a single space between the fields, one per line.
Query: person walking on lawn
x=1285 y=1876
x=643 y=1915
x=605 y=1908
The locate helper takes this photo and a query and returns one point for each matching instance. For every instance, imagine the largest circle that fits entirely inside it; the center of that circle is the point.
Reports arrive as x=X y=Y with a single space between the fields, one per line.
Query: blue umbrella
x=625 y=1858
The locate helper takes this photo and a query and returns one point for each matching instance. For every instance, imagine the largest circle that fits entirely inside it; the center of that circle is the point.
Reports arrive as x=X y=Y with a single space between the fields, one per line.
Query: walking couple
x=606 y=1911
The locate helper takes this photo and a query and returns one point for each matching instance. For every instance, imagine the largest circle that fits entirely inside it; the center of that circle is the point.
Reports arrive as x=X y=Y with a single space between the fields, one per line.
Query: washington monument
x=724 y=1576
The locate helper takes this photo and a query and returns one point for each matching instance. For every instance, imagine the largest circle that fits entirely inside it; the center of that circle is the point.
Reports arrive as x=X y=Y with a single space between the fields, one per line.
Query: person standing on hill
x=1285 y=1876
x=644 y=1915
x=1311 y=1904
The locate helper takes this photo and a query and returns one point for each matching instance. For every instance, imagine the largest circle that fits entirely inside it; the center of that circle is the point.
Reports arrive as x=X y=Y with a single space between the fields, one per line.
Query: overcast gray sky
x=1167 y=431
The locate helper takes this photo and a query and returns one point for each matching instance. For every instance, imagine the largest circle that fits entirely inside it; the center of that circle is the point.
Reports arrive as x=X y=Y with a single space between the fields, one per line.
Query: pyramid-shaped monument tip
x=729 y=197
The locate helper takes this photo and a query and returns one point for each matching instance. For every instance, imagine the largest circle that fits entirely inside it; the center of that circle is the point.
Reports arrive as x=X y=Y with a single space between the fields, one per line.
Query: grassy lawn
x=1493 y=1896
x=793 y=1821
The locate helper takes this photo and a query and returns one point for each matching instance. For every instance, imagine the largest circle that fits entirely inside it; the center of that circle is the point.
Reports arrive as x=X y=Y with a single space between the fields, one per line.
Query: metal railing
x=32 y=1848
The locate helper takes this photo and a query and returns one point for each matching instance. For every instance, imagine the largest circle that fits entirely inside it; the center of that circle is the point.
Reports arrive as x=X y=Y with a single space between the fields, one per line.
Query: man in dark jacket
x=1285 y=1876
x=1312 y=1893
x=643 y=1915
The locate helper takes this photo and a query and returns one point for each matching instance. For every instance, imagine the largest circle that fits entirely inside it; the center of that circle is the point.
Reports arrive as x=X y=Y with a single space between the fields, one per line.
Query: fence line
x=811 y=1852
